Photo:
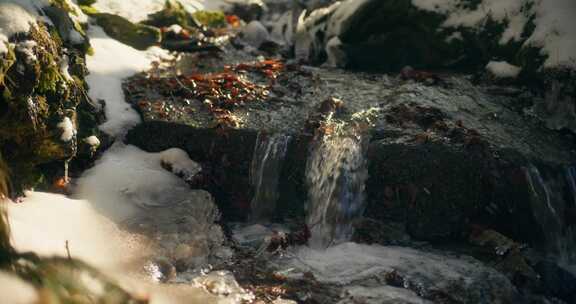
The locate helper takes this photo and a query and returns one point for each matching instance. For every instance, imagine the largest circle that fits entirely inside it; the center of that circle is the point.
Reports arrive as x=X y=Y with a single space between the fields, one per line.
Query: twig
x=68 y=251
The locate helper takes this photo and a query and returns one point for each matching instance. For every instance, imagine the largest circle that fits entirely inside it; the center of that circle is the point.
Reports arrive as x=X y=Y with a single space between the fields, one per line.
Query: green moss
x=136 y=35
x=211 y=19
x=173 y=13
x=88 y=10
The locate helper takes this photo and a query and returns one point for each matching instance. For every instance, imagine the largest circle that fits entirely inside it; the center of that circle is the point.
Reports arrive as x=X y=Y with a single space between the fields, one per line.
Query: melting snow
x=502 y=69
x=111 y=63
x=15 y=291
x=68 y=130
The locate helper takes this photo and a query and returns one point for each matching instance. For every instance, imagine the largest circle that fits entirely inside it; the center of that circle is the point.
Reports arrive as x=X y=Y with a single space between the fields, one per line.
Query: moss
x=136 y=35
x=173 y=13
x=86 y=2
x=88 y=10
x=210 y=19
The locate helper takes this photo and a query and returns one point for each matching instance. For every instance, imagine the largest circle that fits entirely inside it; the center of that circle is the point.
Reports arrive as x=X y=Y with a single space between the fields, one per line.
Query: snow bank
x=44 y=222
x=15 y=291
x=127 y=180
x=111 y=63
x=502 y=69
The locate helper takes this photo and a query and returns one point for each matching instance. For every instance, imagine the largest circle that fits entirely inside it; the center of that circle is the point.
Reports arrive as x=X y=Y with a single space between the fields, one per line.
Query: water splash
x=267 y=160
x=336 y=174
x=550 y=196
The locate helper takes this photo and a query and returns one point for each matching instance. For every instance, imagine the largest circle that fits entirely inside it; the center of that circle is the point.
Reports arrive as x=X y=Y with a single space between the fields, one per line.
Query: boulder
x=138 y=36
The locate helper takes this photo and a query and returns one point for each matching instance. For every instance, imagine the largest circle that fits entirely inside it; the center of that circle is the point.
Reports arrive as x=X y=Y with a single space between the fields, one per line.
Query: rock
x=247 y=10
x=444 y=153
x=173 y=13
x=558 y=281
x=42 y=85
x=255 y=34
x=138 y=36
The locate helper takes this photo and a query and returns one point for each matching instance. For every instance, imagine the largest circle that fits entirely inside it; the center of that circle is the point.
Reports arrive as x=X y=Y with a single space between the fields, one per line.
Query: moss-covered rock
x=138 y=36
x=41 y=86
x=173 y=13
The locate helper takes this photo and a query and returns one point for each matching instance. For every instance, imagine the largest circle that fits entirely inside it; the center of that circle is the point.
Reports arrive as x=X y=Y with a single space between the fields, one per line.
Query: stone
x=138 y=36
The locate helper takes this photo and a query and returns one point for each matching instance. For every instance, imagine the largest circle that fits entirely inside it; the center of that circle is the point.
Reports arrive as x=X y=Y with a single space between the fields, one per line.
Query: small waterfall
x=267 y=160
x=550 y=198
x=336 y=174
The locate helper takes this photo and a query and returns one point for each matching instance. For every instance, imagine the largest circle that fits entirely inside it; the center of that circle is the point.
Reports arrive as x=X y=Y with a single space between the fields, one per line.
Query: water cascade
x=550 y=197
x=267 y=160
x=335 y=175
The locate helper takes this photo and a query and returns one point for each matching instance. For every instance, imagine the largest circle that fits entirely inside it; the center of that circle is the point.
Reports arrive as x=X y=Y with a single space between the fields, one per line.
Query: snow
x=556 y=32
x=64 y=65
x=126 y=8
x=14 y=18
x=502 y=69
x=92 y=141
x=127 y=179
x=15 y=291
x=343 y=12
x=111 y=63
x=179 y=163
x=68 y=130
x=44 y=222
x=27 y=48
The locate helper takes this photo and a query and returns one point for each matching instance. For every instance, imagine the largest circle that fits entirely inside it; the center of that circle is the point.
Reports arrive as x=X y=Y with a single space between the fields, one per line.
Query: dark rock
x=558 y=281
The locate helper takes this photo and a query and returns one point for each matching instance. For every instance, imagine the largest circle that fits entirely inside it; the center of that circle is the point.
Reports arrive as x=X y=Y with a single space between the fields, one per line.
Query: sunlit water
x=335 y=175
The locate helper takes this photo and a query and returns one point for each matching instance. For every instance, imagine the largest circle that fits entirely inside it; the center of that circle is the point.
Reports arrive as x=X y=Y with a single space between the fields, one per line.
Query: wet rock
x=380 y=295
x=138 y=36
x=255 y=34
x=557 y=280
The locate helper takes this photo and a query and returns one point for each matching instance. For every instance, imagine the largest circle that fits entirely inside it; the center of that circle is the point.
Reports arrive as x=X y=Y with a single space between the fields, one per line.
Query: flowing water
x=335 y=175
x=551 y=195
x=267 y=160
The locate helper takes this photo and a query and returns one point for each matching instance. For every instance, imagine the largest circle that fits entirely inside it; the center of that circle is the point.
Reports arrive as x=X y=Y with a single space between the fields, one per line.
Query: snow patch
x=180 y=163
x=44 y=222
x=92 y=141
x=111 y=63
x=64 y=65
x=15 y=291
x=126 y=8
x=27 y=48
x=68 y=130
x=15 y=17
x=502 y=69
